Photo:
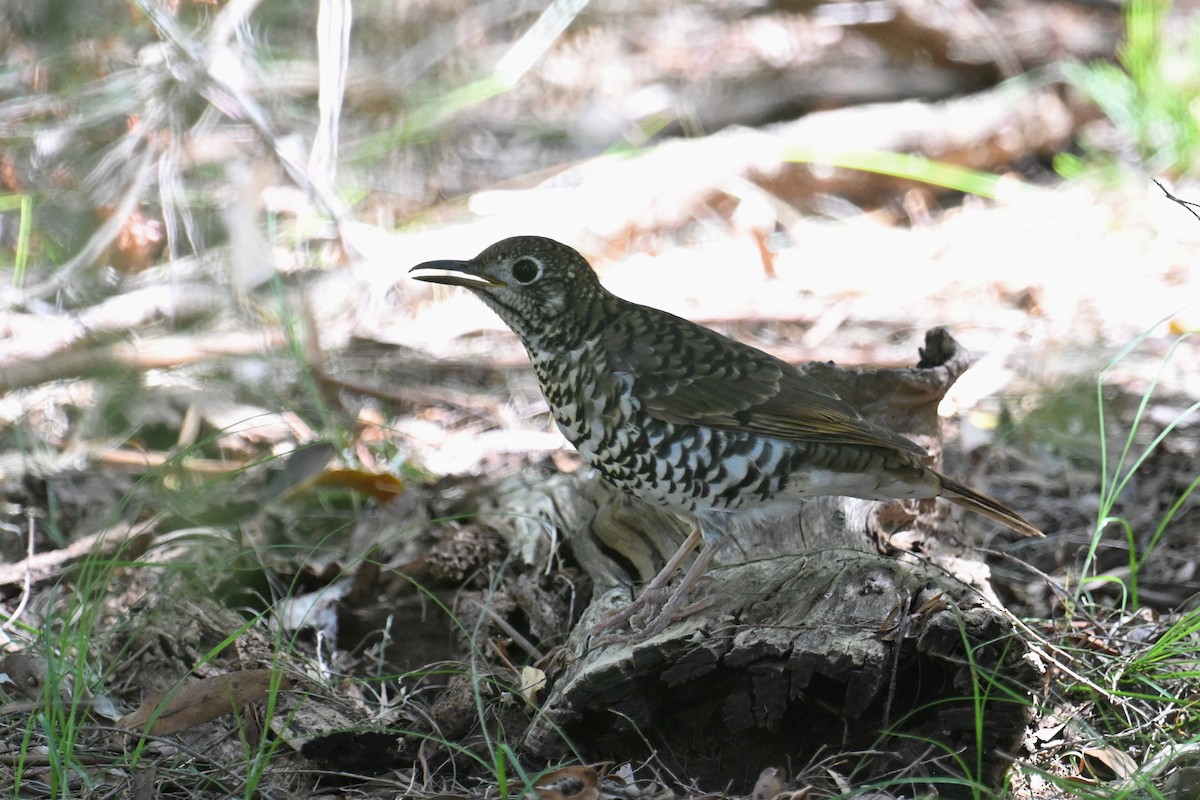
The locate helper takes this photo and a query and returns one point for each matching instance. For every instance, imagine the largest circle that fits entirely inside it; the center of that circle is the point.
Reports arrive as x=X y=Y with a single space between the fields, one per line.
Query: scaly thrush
x=681 y=416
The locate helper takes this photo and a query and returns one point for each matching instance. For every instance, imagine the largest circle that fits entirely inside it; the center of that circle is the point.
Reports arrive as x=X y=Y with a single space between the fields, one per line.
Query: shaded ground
x=398 y=576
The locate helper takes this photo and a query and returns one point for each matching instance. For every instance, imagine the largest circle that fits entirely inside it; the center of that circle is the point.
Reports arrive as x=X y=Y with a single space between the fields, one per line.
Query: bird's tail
x=989 y=507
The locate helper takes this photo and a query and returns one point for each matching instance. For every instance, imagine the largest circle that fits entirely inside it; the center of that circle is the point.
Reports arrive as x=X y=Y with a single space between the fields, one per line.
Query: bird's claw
x=651 y=613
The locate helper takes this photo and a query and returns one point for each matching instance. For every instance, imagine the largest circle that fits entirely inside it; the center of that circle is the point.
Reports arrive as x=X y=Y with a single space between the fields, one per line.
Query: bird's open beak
x=469 y=276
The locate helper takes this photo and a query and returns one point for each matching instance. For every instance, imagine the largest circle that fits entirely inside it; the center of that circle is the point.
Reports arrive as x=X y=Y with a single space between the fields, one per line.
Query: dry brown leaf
x=1050 y=729
x=578 y=782
x=200 y=701
x=533 y=681
x=27 y=672
x=1107 y=763
x=379 y=486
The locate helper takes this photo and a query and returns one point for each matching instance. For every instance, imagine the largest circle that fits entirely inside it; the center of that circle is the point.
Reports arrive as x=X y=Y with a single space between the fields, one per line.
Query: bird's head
x=533 y=283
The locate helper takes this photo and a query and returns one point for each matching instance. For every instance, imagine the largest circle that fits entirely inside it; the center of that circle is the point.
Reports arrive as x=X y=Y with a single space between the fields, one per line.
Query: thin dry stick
x=1188 y=204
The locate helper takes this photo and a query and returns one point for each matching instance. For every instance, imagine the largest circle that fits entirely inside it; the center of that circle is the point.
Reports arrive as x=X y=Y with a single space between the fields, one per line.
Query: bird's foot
x=648 y=615
x=648 y=626
x=638 y=608
x=650 y=604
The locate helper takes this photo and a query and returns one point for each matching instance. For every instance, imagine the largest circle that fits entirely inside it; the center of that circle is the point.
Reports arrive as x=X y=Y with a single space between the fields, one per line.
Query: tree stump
x=813 y=643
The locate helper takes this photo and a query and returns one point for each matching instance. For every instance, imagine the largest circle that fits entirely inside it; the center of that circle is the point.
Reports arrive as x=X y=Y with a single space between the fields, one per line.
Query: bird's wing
x=684 y=373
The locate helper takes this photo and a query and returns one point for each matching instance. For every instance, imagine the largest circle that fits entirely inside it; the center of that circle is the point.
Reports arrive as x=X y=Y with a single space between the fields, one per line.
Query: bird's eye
x=526 y=270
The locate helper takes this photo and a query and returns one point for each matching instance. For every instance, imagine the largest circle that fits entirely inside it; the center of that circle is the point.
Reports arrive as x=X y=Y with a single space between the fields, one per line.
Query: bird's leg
x=674 y=608
x=653 y=589
x=650 y=600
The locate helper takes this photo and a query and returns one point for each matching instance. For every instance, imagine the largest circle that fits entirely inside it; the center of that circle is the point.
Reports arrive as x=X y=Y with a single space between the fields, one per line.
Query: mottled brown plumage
x=679 y=415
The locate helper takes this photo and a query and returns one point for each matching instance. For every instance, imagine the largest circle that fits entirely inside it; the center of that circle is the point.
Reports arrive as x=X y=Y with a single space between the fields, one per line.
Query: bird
x=681 y=416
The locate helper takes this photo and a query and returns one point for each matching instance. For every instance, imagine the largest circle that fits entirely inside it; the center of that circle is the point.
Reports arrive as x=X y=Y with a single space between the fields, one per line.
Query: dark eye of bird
x=525 y=270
